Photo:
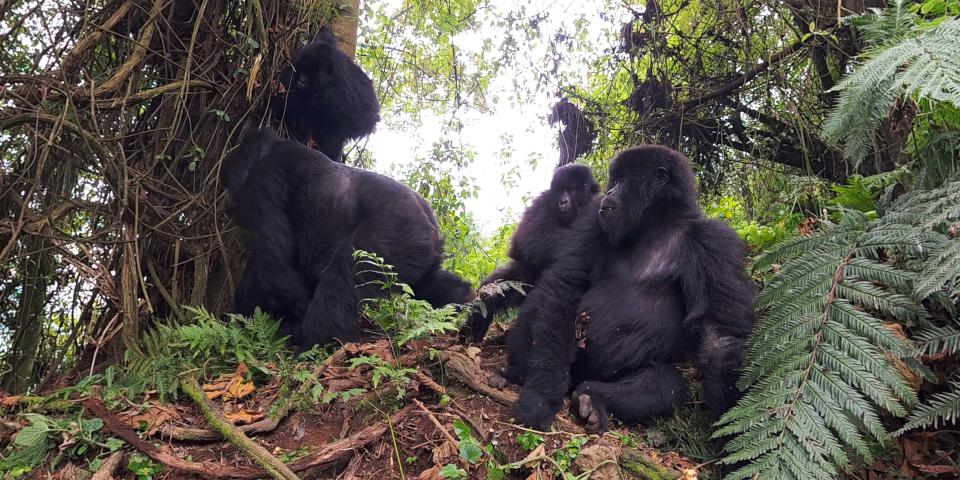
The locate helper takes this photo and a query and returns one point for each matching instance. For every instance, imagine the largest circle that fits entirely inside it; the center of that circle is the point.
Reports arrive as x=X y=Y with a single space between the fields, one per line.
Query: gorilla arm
x=550 y=314
x=719 y=299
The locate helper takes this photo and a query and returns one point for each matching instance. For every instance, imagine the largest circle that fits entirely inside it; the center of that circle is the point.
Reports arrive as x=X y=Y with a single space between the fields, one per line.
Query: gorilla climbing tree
x=115 y=116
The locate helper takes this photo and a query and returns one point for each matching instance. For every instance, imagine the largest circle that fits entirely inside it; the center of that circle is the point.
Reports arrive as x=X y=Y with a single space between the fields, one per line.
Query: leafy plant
x=403 y=317
x=143 y=467
x=381 y=369
x=529 y=441
x=906 y=57
x=75 y=436
x=208 y=343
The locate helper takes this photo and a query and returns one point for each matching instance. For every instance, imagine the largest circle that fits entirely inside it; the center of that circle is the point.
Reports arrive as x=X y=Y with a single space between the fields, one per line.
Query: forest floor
x=441 y=421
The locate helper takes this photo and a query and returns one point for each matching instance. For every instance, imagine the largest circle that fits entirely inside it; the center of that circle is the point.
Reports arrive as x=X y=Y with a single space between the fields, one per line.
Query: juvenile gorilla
x=328 y=99
x=531 y=248
x=643 y=281
x=304 y=216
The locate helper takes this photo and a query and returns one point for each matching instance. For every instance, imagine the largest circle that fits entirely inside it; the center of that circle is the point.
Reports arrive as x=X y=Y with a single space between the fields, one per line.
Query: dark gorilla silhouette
x=532 y=246
x=642 y=281
x=328 y=99
x=304 y=216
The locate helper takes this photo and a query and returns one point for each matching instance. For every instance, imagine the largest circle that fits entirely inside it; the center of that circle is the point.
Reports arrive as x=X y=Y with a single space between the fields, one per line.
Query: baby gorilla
x=305 y=216
x=642 y=281
x=532 y=250
x=328 y=98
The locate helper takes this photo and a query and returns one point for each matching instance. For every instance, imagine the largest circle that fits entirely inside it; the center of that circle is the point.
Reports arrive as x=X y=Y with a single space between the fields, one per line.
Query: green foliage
x=453 y=472
x=565 y=455
x=757 y=236
x=208 y=344
x=401 y=316
x=143 y=467
x=529 y=441
x=381 y=369
x=818 y=366
x=908 y=57
x=75 y=437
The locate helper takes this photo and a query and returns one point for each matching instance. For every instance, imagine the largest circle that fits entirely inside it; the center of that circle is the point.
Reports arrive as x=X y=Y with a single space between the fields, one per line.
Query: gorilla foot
x=591 y=412
x=497 y=381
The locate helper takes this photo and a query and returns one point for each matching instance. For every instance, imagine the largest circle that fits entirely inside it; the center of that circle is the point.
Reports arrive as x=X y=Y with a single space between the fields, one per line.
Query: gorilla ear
x=663 y=175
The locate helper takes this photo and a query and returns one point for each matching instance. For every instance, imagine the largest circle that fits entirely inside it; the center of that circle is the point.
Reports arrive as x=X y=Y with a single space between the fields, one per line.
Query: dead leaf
x=442 y=453
x=432 y=473
x=689 y=474
x=153 y=418
x=472 y=352
x=230 y=387
x=537 y=452
x=10 y=401
x=601 y=459
x=244 y=417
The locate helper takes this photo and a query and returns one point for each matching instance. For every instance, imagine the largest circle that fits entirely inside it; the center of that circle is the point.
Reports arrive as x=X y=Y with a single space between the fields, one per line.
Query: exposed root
x=465 y=370
x=127 y=434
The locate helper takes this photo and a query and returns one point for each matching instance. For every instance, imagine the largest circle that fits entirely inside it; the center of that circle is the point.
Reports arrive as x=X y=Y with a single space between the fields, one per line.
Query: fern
x=816 y=368
x=943 y=407
x=166 y=351
x=906 y=59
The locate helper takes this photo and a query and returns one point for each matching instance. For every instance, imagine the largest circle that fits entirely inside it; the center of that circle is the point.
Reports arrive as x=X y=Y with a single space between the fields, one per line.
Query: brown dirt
x=414 y=448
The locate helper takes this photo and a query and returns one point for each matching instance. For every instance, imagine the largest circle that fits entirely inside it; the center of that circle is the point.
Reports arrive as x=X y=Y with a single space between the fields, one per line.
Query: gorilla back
x=330 y=210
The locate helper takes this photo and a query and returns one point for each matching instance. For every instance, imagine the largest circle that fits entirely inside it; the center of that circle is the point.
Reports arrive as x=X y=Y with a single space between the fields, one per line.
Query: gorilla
x=642 y=281
x=542 y=225
x=304 y=216
x=328 y=99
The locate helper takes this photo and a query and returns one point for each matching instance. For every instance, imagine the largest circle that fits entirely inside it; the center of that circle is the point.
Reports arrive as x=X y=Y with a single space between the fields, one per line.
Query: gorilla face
x=573 y=187
x=314 y=69
x=645 y=183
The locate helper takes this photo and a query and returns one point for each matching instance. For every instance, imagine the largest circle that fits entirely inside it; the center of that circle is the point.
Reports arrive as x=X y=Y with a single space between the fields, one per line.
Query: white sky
x=534 y=151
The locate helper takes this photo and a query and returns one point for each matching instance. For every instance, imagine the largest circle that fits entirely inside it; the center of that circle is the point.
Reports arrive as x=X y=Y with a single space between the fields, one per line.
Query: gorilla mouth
x=607 y=208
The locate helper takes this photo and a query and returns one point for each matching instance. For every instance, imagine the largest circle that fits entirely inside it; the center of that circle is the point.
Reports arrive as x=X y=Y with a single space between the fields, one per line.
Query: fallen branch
x=127 y=434
x=332 y=452
x=436 y=423
x=231 y=433
x=105 y=472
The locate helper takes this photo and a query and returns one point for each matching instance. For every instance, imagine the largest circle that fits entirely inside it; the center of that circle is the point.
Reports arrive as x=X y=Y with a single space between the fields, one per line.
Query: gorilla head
x=572 y=187
x=656 y=180
x=328 y=99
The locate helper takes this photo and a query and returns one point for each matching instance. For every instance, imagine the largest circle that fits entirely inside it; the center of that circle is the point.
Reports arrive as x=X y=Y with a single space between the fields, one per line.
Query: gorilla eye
x=662 y=175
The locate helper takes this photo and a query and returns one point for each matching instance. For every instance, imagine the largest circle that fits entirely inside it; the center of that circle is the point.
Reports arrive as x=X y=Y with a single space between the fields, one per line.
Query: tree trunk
x=22 y=355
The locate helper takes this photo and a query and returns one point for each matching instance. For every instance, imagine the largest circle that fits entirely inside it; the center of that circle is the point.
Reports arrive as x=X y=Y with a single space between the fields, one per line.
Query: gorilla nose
x=564 y=203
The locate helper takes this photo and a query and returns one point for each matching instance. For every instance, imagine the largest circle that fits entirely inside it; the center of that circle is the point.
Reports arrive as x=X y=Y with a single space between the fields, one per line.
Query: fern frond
x=921 y=62
x=943 y=407
x=817 y=368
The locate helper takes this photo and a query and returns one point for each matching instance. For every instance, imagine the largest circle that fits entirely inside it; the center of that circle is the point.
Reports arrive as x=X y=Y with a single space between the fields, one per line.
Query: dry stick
x=332 y=452
x=127 y=434
x=90 y=40
x=462 y=368
x=260 y=455
x=436 y=423
x=262 y=426
x=105 y=472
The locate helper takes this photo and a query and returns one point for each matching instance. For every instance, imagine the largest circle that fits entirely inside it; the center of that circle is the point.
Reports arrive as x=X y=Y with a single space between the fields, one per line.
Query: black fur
x=531 y=248
x=304 y=216
x=659 y=284
x=328 y=99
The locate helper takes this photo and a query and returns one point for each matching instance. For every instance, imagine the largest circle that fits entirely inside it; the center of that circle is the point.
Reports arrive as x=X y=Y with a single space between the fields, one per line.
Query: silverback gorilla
x=642 y=281
x=328 y=98
x=304 y=216
x=543 y=225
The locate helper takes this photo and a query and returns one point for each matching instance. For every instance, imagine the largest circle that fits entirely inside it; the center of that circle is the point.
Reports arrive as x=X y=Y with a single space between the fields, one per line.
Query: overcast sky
x=534 y=151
